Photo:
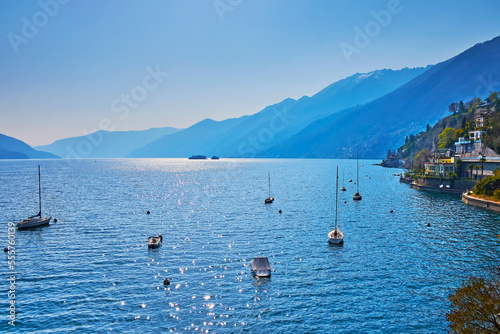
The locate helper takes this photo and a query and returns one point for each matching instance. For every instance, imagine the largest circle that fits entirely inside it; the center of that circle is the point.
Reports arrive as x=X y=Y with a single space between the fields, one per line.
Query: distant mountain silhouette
x=105 y=144
x=383 y=123
x=193 y=140
x=12 y=148
x=249 y=136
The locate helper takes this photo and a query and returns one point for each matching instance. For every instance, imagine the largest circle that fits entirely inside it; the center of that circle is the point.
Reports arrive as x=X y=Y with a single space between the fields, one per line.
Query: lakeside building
x=439 y=166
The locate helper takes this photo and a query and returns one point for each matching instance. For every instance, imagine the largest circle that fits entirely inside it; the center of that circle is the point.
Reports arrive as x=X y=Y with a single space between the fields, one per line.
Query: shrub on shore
x=489 y=186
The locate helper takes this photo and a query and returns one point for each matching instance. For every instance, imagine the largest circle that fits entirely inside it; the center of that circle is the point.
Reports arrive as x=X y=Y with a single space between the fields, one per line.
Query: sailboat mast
x=39 y=193
x=357 y=171
x=269 y=178
x=336 y=196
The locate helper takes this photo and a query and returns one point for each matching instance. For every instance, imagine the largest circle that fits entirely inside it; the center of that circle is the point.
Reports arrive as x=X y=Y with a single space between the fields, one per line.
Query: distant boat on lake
x=155 y=242
x=197 y=157
x=336 y=236
x=270 y=199
x=36 y=220
x=215 y=157
x=261 y=267
x=357 y=195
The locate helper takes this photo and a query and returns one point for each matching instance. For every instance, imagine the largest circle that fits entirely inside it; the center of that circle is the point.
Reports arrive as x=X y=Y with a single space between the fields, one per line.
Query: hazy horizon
x=70 y=67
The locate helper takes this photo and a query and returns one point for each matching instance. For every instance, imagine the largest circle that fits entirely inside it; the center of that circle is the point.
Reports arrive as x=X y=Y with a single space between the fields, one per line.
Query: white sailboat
x=36 y=220
x=336 y=236
x=357 y=195
x=270 y=199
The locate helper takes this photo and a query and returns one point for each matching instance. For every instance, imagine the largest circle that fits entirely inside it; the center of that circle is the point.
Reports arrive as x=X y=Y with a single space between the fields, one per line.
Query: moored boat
x=336 y=236
x=36 y=220
x=155 y=242
x=270 y=199
x=357 y=195
x=261 y=267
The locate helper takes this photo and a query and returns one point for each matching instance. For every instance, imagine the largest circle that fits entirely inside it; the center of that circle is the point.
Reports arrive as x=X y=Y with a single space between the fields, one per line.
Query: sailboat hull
x=33 y=222
x=335 y=238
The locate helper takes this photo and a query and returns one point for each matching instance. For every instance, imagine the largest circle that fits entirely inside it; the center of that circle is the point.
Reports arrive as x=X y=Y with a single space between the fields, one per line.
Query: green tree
x=446 y=138
x=452 y=108
x=489 y=185
x=459 y=165
x=420 y=158
x=482 y=161
x=493 y=98
x=461 y=108
x=427 y=128
x=471 y=167
x=476 y=168
x=475 y=306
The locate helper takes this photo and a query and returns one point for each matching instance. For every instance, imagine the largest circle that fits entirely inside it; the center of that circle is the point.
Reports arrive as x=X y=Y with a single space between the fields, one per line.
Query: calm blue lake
x=92 y=271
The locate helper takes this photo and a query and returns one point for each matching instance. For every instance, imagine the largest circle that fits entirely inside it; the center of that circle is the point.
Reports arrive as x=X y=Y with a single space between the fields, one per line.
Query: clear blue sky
x=73 y=71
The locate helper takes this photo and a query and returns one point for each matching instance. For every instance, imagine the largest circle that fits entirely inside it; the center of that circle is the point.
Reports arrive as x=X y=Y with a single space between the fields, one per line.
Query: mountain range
x=105 y=144
x=250 y=136
x=383 y=123
x=365 y=114
x=12 y=148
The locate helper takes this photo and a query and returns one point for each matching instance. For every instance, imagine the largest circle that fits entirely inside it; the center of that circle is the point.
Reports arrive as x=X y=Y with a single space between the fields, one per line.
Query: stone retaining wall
x=482 y=203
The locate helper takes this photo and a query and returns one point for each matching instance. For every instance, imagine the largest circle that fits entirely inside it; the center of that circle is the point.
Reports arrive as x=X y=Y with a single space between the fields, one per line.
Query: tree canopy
x=475 y=306
x=446 y=138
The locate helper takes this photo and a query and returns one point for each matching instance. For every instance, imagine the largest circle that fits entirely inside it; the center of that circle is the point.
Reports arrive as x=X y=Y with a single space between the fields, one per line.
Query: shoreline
x=481 y=202
x=443 y=190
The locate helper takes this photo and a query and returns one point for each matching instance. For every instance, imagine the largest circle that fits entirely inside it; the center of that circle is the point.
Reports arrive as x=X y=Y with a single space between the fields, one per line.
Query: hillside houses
x=470 y=153
x=484 y=113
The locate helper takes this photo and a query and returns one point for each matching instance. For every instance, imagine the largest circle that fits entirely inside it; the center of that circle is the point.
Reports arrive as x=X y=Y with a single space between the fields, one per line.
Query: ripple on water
x=92 y=270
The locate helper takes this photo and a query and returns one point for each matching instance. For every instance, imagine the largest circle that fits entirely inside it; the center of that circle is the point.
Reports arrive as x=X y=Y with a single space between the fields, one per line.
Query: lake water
x=92 y=270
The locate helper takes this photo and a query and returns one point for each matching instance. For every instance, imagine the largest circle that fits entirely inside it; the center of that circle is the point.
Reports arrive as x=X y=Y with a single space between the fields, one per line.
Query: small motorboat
x=155 y=242
x=261 y=267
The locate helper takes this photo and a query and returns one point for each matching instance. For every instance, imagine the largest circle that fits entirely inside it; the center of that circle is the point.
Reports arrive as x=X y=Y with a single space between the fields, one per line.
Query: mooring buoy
x=148 y=212
x=6 y=249
x=166 y=281
x=280 y=211
x=55 y=220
